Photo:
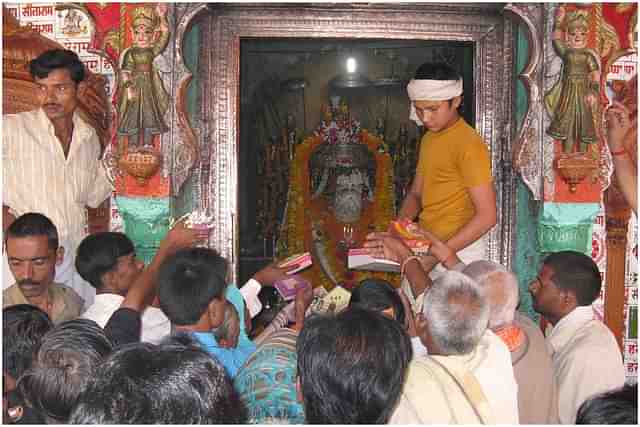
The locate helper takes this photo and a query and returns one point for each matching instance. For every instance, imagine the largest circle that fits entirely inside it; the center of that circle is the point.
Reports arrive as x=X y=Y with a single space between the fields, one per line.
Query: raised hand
x=272 y=273
x=181 y=236
x=384 y=245
x=618 y=124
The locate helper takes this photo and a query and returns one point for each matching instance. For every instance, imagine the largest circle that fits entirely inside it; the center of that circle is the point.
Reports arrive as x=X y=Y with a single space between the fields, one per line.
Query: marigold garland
x=301 y=210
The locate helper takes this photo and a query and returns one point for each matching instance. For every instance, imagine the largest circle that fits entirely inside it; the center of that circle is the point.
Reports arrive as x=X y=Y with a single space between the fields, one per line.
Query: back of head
x=501 y=289
x=457 y=313
x=23 y=327
x=619 y=406
x=33 y=224
x=577 y=273
x=98 y=254
x=175 y=382
x=188 y=281
x=436 y=71
x=352 y=367
x=377 y=295
x=68 y=356
x=54 y=59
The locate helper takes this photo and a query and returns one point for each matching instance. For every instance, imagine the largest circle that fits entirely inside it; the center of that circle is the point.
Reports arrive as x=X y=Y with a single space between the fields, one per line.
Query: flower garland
x=302 y=212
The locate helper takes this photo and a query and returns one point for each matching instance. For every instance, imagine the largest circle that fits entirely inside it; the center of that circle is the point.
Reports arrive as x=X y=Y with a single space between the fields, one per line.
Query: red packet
x=303 y=260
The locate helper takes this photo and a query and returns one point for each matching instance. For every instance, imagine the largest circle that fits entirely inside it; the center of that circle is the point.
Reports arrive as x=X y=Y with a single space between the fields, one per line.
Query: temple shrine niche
x=324 y=124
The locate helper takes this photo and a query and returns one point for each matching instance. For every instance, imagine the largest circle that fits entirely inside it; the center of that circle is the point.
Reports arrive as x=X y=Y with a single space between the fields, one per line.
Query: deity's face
x=348 y=204
x=143 y=35
x=33 y=263
x=57 y=94
x=438 y=115
x=577 y=37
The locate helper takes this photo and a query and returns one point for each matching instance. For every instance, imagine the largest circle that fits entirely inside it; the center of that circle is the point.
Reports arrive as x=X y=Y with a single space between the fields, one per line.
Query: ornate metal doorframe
x=483 y=25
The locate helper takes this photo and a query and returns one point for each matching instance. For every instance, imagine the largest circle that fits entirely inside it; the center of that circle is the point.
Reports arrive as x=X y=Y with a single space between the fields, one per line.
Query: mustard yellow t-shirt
x=451 y=161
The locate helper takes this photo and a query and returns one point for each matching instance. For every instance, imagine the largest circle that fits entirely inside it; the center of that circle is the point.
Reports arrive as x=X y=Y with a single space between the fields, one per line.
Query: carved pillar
x=616 y=226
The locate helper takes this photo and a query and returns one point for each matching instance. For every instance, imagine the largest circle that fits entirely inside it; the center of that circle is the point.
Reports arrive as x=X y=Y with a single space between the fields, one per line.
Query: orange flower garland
x=302 y=212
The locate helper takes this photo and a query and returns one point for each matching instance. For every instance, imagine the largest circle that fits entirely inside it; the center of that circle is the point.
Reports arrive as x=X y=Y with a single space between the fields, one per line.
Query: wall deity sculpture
x=143 y=101
x=573 y=100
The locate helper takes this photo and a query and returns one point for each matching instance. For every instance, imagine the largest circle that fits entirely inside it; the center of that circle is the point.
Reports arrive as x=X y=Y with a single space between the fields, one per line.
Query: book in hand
x=303 y=260
x=288 y=287
x=359 y=259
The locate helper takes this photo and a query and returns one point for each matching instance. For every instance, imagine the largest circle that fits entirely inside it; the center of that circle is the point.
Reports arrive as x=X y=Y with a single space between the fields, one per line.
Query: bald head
x=501 y=289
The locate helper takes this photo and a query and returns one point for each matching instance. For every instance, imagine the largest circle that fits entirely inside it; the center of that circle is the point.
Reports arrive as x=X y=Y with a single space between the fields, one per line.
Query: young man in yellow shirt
x=453 y=190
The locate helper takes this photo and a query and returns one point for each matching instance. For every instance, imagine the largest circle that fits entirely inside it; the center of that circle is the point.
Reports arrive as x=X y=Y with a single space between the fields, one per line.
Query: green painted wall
x=527 y=254
x=184 y=202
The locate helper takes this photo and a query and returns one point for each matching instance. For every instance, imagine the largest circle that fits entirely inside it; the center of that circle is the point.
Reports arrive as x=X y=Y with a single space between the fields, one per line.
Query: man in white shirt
x=51 y=161
x=467 y=378
x=585 y=355
x=108 y=262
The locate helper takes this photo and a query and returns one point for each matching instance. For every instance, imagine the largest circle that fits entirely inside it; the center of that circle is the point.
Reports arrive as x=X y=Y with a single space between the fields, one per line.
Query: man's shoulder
x=23 y=119
x=68 y=294
x=461 y=127
x=594 y=334
x=9 y=294
x=529 y=327
x=421 y=372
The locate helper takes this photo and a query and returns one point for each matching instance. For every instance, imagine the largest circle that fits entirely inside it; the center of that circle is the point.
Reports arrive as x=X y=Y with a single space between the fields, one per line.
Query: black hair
x=23 y=326
x=352 y=367
x=98 y=254
x=54 y=59
x=377 y=295
x=619 y=406
x=436 y=71
x=175 y=382
x=577 y=273
x=187 y=283
x=68 y=356
x=33 y=224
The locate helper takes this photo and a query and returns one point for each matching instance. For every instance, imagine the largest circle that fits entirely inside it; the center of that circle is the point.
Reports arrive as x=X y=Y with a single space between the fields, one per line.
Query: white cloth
x=424 y=401
x=495 y=375
x=38 y=178
x=586 y=360
x=155 y=325
x=249 y=293
x=431 y=90
x=419 y=350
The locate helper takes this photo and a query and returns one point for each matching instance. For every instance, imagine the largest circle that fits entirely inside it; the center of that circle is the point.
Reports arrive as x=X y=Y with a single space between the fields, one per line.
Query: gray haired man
x=537 y=390
x=467 y=376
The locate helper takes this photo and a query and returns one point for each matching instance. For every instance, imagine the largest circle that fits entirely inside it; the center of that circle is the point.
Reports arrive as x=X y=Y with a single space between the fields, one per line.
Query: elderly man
x=537 y=391
x=32 y=248
x=586 y=358
x=51 y=159
x=467 y=376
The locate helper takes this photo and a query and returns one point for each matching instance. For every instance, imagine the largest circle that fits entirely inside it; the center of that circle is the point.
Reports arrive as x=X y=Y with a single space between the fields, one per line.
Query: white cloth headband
x=431 y=90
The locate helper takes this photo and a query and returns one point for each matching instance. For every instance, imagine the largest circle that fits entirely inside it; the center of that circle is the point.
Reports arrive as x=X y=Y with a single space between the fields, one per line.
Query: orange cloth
x=451 y=161
x=512 y=336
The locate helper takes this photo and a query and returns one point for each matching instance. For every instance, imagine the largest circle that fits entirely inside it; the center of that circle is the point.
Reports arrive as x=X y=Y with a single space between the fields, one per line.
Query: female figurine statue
x=573 y=99
x=143 y=100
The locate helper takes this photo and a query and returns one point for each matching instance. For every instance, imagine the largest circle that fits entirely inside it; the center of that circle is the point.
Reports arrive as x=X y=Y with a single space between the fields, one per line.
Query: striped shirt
x=38 y=178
